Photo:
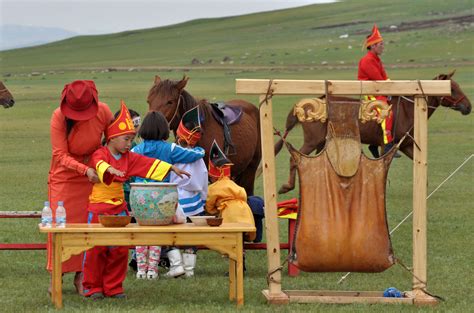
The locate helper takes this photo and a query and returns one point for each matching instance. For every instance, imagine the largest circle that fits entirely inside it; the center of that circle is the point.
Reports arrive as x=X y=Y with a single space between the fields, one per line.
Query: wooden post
x=420 y=170
x=269 y=189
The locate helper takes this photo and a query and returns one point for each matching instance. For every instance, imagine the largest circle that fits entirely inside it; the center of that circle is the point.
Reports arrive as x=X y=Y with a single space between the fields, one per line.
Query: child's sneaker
x=141 y=275
x=152 y=275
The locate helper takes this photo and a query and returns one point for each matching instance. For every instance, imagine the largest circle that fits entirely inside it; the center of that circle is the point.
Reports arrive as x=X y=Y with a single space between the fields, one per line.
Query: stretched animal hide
x=342 y=224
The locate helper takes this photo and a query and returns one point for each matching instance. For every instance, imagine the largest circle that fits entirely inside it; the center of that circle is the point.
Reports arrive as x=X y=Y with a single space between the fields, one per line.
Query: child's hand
x=92 y=175
x=179 y=172
x=115 y=172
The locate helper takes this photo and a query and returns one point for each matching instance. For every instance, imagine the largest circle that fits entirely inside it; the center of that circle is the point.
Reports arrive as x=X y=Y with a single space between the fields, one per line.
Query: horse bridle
x=175 y=111
x=451 y=100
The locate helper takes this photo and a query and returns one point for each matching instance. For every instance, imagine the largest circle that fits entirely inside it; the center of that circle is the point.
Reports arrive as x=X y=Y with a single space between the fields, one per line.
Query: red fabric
x=371 y=68
x=191 y=137
x=66 y=179
x=132 y=164
x=388 y=128
x=122 y=125
x=219 y=171
x=79 y=100
x=105 y=268
x=374 y=37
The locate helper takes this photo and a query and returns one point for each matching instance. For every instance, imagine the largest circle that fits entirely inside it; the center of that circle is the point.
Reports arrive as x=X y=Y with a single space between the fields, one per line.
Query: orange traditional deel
x=219 y=164
x=122 y=125
x=374 y=37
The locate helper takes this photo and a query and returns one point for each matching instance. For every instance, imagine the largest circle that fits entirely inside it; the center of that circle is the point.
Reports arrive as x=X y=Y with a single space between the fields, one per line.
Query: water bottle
x=46 y=215
x=60 y=215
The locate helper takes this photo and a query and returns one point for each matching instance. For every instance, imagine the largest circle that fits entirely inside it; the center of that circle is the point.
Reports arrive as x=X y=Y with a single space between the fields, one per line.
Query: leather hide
x=342 y=223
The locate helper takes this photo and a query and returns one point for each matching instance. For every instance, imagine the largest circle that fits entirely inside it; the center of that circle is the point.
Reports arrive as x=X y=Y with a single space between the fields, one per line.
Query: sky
x=109 y=16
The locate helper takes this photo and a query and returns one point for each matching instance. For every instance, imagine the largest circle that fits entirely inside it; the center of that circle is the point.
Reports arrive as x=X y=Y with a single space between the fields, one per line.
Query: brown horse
x=6 y=98
x=170 y=98
x=371 y=133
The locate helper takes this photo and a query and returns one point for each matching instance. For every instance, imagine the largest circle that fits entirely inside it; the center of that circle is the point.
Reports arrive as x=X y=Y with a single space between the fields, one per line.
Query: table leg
x=240 y=270
x=232 y=279
x=56 y=294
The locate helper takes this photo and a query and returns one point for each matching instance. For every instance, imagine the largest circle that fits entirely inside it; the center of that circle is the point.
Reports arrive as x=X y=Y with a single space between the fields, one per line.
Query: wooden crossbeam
x=344 y=87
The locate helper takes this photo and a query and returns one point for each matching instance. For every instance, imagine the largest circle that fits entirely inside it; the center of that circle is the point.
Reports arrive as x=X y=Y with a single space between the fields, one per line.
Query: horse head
x=458 y=100
x=166 y=96
x=6 y=98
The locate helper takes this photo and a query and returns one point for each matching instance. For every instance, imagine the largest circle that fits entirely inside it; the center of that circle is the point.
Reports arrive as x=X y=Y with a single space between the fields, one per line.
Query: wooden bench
x=73 y=239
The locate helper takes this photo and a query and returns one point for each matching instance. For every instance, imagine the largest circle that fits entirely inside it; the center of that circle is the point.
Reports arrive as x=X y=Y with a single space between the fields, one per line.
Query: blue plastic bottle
x=60 y=215
x=46 y=215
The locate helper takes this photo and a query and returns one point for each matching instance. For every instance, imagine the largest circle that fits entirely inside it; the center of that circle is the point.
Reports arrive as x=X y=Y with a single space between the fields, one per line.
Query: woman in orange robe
x=77 y=127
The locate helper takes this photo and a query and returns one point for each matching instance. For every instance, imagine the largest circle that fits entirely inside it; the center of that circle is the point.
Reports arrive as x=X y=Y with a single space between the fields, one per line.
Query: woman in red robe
x=77 y=127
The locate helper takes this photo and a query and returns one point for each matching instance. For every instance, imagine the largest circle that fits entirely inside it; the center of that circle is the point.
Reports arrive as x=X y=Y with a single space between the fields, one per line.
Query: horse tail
x=291 y=122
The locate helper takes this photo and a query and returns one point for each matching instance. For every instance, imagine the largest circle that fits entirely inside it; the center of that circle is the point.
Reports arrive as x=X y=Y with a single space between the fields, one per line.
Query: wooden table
x=76 y=238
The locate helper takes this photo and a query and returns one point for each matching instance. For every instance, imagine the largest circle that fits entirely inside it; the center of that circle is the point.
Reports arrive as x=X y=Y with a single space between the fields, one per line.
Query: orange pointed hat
x=219 y=164
x=189 y=129
x=374 y=37
x=122 y=125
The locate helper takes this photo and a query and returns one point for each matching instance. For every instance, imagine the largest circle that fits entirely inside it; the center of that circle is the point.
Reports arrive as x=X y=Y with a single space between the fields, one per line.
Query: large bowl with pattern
x=153 y=203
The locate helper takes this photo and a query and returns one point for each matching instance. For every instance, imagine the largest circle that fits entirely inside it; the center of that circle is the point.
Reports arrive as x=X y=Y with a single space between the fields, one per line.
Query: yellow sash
x=111 y=194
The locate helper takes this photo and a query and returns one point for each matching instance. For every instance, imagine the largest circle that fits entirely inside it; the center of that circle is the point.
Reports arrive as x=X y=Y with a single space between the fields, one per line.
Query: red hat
x=374 y=37
x=191 y=133
x=219 y=164
x=122 y=125
x=79 y=100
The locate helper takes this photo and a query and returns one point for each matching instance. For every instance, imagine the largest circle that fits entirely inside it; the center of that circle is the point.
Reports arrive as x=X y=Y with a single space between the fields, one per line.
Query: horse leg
x=407 y=149
x=246 y=179
x=374 y=149
x=307 y=148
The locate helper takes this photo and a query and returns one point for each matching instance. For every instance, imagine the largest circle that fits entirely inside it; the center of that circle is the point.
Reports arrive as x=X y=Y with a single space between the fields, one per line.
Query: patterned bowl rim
x=154 y=184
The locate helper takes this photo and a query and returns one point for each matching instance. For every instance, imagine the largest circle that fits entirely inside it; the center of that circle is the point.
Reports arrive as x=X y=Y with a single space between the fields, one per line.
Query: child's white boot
x=141 y=275
x=176 y=263
x=151 y=274
x=189 y=261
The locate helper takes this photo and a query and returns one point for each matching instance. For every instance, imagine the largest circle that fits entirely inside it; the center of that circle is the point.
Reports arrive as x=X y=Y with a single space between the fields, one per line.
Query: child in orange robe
x=105 y=268
x=225 y=197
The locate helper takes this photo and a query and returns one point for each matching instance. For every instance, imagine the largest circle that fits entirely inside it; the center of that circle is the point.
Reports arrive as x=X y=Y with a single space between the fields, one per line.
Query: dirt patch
x=415 y=25
x=339 y=25
x=404 y=26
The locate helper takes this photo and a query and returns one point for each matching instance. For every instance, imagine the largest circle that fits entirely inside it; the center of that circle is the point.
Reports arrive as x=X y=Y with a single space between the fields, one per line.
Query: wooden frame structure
x=419 y=89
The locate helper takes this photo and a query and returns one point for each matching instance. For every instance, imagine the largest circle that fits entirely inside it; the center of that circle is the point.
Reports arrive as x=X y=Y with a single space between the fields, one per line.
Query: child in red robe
x=105 y=268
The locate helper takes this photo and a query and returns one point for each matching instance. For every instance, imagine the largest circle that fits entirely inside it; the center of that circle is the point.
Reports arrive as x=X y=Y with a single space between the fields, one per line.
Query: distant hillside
x=422 y=32
x=19 y=36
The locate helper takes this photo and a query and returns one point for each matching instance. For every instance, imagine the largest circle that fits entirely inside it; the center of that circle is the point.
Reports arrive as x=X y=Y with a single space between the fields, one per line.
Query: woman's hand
x=92 y=175
x=179 y=172
x=115 y=172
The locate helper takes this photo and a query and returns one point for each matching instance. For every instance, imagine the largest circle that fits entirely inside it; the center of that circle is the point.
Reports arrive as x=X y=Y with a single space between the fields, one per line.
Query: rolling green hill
x=430 y=37
x=427 y=32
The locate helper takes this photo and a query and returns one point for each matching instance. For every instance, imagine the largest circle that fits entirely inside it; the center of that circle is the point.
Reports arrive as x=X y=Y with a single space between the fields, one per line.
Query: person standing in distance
x=371 y=68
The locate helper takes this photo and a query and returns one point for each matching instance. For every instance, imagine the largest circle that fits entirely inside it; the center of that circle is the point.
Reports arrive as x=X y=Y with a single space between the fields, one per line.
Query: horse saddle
x=226 y=115
x=342 y=223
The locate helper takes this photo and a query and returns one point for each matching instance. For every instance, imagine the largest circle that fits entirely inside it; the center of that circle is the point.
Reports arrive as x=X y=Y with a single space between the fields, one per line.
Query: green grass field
x=283 y=45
